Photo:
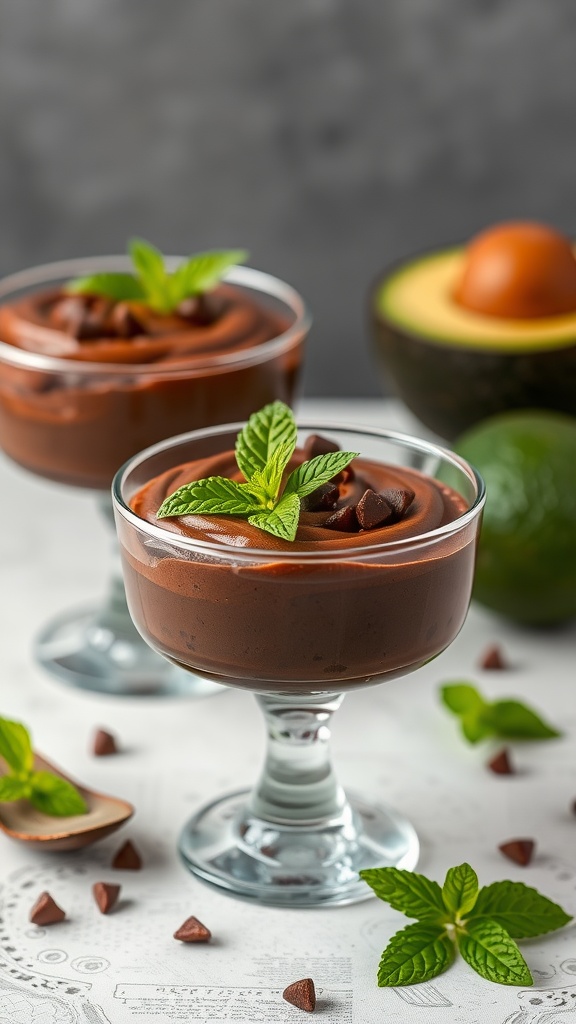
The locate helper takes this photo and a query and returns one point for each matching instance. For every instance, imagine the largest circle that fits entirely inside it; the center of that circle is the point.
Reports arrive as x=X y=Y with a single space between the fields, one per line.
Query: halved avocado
x=453 y=367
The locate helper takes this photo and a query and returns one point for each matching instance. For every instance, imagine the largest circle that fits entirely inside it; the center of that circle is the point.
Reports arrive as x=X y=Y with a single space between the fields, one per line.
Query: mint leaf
x=16 y=746
x=120 y=287
x=282 y=521
x=55 y=796
x=202 y=272
x=152 y=274
x=503 y=719
x=488 y=948
x=317 y=471
x=266 y=430
x=211 y=496
x=417 y=953
x=413 y=894
x=514 y=720
x=460 y=890
x=12 y=788
x=518 y=908
x=462 y=698
x=267 y=481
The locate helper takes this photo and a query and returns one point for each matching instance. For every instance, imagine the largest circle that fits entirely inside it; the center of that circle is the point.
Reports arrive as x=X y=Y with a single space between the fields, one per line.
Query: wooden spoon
x=20 y=820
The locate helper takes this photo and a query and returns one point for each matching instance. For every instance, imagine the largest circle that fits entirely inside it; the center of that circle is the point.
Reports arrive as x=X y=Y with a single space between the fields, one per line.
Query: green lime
x=527 y=554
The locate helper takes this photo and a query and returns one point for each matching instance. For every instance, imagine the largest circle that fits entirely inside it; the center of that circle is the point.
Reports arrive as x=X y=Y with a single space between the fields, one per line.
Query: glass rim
x=247 y=277
x=326 y=555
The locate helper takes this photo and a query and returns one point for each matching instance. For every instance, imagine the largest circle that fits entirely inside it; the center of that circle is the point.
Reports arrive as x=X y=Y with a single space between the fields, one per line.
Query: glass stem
x=298 y=784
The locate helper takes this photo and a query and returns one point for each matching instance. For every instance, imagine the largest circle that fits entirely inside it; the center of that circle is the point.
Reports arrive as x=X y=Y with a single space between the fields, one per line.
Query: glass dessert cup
x=299 y=628
x=76 y=420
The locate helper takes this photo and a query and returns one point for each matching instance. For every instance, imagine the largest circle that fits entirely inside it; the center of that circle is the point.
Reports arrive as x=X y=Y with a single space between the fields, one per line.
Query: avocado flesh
x=417 y=298
x=453 y=368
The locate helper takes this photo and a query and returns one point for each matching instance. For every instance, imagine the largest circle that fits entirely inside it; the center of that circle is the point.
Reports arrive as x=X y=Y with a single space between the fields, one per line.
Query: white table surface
x=393 y=742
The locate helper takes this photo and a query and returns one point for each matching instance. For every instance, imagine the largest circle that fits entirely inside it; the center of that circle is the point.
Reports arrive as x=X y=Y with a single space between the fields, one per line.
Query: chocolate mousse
x=127 y=376
x=340 y=606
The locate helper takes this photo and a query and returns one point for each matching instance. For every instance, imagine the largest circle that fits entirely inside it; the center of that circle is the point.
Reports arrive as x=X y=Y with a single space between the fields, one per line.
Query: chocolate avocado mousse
x=95 y=369
x=374 y=583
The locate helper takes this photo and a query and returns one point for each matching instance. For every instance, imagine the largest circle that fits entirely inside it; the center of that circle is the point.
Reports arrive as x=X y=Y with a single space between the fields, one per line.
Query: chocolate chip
x=492 y=658
x=500 y=764
x=193 y=931
x=46 y=911
x=399 y=499
x=373 y=510
x=315 y=445
x=106 y=896
x=323 y=498
x=344 y=476
x=127 y=858
x=66 y=314
x=345 y=519
x=104 y=744
x=124 y=323
x=518 y=850
x=301 y=994
x=201 y=309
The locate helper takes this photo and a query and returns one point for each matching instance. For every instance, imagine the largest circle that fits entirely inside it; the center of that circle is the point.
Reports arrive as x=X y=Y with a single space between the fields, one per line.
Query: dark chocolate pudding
x=333 y=610
x=120 y=377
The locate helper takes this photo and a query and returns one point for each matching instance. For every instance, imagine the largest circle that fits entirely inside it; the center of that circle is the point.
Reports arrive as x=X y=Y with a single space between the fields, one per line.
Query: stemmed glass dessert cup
x=299 y=625
x=75 y=420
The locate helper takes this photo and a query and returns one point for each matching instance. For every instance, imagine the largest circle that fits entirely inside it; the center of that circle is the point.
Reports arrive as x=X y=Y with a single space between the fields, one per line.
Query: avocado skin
x=450 y=389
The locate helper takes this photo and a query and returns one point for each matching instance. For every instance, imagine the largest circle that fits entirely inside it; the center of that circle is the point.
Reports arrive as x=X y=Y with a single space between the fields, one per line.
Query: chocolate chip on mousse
x=373 y=510
x=201 y=309
x=345 y=519
x=315 y=445
x=323 y=499
x=399 y=499
x=124 y=323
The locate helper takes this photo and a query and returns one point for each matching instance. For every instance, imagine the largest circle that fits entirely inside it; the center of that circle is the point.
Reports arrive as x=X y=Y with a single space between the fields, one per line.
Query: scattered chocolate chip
x=492 y=658
x=127 y=858
x=345 y=519
x=399 y=499
x=104 y=744
x=106 y=896
x=518 y=850
x=373 y=510
x=323 y=498
x=315 y=445
x=124 y=323
x=301 y=994
x=193 y=931
x=500 y=764
x=46 y=911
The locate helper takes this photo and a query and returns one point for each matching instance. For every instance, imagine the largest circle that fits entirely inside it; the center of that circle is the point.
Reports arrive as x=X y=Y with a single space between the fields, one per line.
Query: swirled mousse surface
x=78 y=427
x=229 y=320
x=277 y=624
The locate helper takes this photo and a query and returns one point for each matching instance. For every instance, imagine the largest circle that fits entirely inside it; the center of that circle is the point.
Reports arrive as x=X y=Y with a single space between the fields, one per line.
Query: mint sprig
x=502 y=719
x=482 y=924
x=47 y=792
x=151 y=283
x=263 y=450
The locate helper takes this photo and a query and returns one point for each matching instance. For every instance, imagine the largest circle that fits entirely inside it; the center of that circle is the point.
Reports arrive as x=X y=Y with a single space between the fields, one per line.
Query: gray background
x=328 y=137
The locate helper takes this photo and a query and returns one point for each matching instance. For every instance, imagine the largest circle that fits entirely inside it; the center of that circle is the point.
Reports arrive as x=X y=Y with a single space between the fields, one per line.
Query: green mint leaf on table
x=411 y=893
x=481 y=923
x=155 y=286
x=521 y=910
x=15 y=746
x=502 y=719
x=263 y=451
x=460 y=890
x=55 y=796
x=488 y=948
x=47 y=792
x=418 y=953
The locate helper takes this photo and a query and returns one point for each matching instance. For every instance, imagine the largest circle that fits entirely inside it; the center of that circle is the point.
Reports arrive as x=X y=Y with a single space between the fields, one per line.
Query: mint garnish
x=151 y=283
x=501 y=719
x=264 y=448
x=44 y=790
x=481 y=923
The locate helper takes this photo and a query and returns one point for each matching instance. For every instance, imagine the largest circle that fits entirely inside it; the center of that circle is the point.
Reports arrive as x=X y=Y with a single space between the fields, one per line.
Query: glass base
x=314 y=864
x=91 y=651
